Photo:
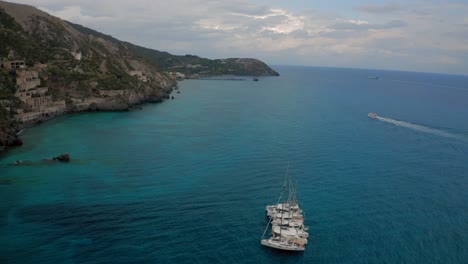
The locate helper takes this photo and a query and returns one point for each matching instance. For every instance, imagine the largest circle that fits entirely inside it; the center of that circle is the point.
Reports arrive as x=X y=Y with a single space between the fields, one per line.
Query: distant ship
x=372 y=115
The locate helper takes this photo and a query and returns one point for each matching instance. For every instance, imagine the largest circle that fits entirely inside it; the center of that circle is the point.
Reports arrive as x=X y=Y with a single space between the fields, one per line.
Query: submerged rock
x=16 y=142
x=62 y=158
x=8 y=138
x=22 y=162
x=5 y=182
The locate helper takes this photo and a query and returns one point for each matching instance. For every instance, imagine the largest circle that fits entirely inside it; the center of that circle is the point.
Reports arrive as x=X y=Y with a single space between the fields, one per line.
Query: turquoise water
x=186 y=181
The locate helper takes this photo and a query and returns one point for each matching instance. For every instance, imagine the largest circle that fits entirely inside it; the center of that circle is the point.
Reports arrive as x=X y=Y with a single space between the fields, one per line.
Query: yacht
x=284 y=243
x=286 y=220
x=287 y=231
x=286 y=207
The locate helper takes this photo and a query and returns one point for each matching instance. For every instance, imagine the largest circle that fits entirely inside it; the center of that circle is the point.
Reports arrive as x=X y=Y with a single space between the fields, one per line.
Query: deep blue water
x=186 y=181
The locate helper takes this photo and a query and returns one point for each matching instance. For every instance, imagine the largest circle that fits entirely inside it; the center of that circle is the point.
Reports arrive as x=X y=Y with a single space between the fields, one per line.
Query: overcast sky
x=410 y=35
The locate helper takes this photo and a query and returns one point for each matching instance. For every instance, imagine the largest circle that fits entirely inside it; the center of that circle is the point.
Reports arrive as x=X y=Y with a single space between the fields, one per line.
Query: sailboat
x=288 y=231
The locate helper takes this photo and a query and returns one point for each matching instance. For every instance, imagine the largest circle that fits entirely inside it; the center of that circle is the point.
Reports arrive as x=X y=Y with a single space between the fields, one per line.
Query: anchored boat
x=283 y=243
x=288 y=231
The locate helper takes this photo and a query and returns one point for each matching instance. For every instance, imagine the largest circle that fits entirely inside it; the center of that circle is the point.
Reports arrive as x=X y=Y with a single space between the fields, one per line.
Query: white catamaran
x=288 y=231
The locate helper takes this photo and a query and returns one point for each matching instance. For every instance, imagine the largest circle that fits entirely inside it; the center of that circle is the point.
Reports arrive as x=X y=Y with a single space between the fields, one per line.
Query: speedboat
x=372 y=115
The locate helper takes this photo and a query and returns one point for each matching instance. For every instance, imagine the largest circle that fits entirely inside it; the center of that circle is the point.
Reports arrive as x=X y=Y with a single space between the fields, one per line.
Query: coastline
x=120 y=103
x=110 y=104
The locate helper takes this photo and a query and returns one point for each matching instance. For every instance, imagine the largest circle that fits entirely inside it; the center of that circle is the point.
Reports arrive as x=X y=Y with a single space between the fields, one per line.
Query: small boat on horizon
x=372 y=115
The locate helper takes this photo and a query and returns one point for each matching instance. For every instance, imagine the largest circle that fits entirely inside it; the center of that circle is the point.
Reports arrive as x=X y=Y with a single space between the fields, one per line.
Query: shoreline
x=130 y=106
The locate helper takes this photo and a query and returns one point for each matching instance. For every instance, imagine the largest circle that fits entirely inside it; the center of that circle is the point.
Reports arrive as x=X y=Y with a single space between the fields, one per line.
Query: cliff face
x=49 y=68
x=7 y=132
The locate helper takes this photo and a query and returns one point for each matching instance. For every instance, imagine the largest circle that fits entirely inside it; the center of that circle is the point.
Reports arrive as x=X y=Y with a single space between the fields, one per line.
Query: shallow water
x=187 y=181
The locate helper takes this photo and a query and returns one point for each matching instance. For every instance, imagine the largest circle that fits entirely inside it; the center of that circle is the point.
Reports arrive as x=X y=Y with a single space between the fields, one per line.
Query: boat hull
x=266 y=243
x=291 y=232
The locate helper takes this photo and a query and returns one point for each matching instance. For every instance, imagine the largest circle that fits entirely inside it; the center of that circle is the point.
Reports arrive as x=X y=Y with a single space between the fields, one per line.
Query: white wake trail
x=421 y=128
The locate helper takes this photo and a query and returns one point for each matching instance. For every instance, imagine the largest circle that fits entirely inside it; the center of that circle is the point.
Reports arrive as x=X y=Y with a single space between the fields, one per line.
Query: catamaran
x=288 y=231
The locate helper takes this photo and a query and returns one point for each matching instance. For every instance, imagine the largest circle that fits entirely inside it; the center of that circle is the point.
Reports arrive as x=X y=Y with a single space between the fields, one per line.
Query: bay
x=187 y=181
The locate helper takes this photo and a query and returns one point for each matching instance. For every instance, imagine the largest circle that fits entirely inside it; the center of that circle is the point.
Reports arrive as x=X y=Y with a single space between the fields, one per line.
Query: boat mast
x=277 y=202
x=286 y=181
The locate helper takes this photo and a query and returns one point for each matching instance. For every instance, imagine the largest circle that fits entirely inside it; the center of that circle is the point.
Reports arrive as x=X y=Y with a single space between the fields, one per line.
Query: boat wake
x=421 y=128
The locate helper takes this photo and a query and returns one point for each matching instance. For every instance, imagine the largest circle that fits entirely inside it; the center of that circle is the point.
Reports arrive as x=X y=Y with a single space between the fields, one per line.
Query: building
x=12 y=64
x=177 y=75
x=112 y=93
x=76 y=55
x=39 y=104
x=44 y=109
x=27 y=79
x=26 y=94
x=196 y=66
x=139 y=74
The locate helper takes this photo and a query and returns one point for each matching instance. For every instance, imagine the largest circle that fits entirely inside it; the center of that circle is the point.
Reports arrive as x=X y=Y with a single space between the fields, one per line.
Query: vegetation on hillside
x=188 y=64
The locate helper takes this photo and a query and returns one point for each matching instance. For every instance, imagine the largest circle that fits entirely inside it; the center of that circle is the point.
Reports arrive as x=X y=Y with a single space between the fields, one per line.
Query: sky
x=411 y=35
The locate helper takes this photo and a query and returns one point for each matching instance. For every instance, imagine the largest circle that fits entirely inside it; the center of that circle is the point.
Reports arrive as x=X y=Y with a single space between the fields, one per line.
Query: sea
x=187 y=180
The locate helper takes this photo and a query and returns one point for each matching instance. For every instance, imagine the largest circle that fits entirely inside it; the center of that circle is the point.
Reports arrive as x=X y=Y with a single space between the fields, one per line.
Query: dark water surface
x=187 y=181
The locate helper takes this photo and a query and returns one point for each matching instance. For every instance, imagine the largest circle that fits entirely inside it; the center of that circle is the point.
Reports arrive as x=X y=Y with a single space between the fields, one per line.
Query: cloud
x=364 y=25
x=448 y=60
x=404 y=35
x=74 y=13
x=379 y=9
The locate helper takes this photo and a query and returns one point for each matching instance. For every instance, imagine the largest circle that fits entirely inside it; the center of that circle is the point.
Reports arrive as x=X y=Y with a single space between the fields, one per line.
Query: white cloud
x=392 y=35
x=356 y=22
x=448 y=60
x=379 y=9
x=289 y=24
x=73 y=13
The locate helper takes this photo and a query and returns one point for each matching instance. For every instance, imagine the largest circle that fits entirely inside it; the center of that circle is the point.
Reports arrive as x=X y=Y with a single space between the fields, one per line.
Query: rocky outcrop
x=8 y=138
x=62 y=158
x=122 y=101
